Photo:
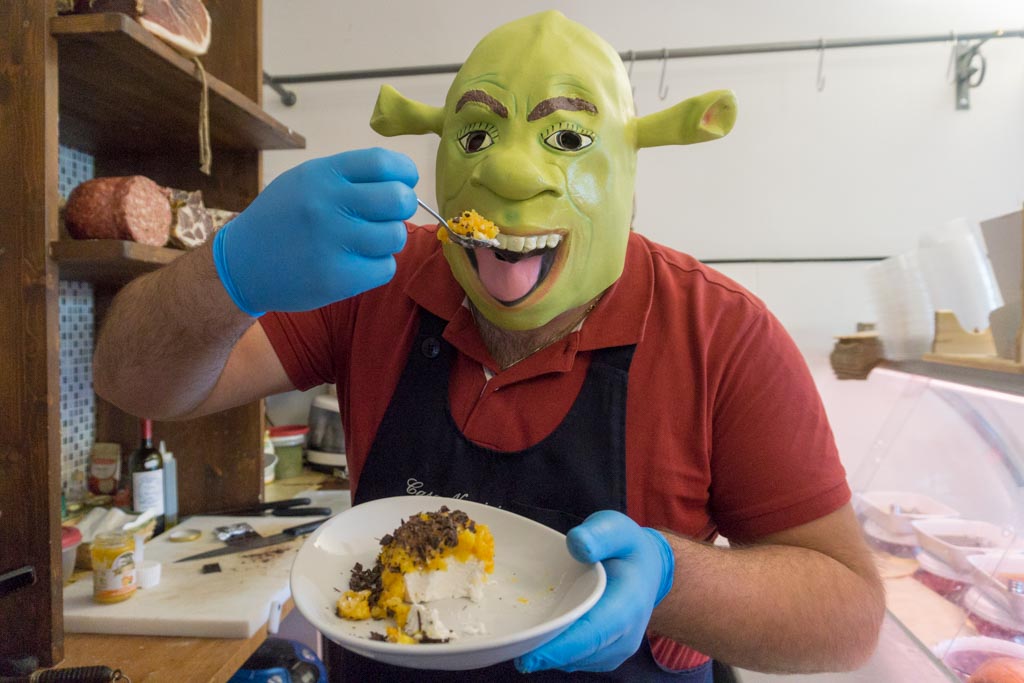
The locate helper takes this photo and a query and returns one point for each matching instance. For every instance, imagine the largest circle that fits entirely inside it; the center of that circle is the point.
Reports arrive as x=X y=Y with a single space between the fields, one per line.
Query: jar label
x=114 y=578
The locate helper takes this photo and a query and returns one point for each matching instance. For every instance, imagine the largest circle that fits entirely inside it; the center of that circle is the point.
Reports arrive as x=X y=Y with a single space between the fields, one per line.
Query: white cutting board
x=233 y=603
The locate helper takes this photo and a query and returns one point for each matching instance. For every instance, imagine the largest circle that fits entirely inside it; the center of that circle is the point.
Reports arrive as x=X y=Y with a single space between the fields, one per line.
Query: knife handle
x=302 y=512
x=303 y=529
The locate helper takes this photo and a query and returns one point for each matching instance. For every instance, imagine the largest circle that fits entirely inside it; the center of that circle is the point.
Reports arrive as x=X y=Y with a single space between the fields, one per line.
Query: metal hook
x=662 y=88
x=966 y=55
x=952 y=58
x=821 y=65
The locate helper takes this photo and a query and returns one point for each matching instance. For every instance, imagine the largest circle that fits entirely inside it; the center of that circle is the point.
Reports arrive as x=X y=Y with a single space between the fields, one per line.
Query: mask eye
x=476 y=140
x=569 y=140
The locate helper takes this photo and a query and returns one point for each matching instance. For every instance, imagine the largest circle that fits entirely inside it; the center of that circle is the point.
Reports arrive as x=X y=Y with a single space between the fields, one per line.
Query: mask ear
x=396 y=114
x=698 y=119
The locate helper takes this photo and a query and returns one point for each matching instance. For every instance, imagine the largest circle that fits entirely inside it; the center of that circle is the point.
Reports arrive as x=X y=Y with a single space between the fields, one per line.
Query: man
x=579 y=372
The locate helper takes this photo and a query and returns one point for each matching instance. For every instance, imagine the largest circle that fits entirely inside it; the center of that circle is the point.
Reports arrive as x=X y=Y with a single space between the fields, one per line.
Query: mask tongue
x=507 y=281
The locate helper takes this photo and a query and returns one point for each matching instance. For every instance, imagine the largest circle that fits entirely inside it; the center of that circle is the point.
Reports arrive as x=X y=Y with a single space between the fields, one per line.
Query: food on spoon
x=431 y=556
x=470 y=224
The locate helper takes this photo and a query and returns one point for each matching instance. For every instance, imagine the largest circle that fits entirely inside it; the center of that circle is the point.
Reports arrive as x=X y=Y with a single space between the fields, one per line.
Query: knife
x=259 y=542
x=279 y=507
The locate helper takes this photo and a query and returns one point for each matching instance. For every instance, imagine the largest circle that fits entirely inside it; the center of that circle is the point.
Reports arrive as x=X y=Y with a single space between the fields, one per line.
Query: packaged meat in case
x=122 y=208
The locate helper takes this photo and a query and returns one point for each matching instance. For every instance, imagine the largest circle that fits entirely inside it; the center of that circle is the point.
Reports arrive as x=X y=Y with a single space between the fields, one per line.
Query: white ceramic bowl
x=964 y=655
x=991 y=571
x=895 y=510
x=953 y=540
x=537 y=589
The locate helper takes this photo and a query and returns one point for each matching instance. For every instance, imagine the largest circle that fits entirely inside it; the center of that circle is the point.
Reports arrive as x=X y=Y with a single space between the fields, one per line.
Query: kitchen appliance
x=281 y=661
x=326 y=447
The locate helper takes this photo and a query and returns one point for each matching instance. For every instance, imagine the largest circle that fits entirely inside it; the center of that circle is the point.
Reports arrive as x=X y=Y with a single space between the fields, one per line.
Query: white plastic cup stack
x=959 y=276
x=904 y=312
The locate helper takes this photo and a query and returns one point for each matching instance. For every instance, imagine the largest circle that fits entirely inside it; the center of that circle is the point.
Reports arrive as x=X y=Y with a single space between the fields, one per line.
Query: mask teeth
x=520 y=244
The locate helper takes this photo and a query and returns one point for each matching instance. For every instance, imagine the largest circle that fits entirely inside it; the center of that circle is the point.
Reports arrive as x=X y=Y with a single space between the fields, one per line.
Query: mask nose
x=516 y=176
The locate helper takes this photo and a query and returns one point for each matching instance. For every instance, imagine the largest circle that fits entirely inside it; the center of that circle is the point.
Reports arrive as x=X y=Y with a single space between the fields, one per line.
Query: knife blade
x=259 y=542
x=260 y=508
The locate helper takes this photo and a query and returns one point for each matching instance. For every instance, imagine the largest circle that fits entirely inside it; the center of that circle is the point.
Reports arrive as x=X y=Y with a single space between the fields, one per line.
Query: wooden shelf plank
x=108 y=262
x=990 y=363
x=1010 y=382
x=122 y=89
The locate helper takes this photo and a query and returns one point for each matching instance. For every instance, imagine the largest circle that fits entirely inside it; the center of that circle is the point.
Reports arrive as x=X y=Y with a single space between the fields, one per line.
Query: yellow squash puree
x=397 y=562
x=472 y=224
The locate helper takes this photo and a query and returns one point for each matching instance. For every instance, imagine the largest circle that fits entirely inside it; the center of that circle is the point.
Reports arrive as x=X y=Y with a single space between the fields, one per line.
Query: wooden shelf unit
x=103 y=85
x=108 y=262
x=125 y=89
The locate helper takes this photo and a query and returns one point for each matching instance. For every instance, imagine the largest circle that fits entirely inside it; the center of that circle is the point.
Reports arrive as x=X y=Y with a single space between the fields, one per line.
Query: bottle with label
x=147 y=472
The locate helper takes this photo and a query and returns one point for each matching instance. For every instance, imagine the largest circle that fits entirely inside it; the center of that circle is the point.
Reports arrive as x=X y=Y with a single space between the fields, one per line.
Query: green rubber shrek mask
x=538 y=134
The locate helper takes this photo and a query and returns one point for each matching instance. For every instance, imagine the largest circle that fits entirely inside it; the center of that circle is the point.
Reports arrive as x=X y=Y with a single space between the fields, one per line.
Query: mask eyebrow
x=483 y=98
x=552 y=104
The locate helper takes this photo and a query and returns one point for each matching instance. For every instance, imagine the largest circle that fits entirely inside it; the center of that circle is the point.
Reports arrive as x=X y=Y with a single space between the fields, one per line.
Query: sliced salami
x=128 y=208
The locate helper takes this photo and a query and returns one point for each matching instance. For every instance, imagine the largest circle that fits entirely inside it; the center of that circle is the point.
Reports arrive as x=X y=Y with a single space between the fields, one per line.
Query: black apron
x=578 y=469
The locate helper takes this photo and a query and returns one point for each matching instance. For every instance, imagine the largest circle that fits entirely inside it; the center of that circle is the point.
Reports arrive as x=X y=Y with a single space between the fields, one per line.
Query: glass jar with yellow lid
x=113 y=567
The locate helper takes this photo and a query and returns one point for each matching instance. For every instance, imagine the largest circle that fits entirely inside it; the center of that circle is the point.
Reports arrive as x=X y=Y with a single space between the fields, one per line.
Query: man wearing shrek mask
x=576 y=373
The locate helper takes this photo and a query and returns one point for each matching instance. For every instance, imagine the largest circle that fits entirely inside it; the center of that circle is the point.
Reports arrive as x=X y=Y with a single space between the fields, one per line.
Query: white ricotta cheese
x=459 y=580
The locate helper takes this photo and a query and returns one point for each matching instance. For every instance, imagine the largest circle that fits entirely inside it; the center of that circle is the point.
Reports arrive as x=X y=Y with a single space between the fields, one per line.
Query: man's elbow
x=860 y=642
x=116 y=386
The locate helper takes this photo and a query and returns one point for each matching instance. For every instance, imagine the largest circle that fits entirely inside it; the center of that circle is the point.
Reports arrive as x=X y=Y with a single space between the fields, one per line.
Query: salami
x=126 y=208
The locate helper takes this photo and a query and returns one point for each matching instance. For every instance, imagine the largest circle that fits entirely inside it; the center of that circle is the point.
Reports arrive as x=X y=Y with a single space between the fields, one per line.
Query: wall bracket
x=967 y=54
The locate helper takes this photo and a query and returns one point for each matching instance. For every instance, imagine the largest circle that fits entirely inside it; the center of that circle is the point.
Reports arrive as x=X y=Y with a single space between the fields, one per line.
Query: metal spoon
x=462 y=240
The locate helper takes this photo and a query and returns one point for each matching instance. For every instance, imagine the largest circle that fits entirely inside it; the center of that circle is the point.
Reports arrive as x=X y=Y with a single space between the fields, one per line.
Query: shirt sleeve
x=774 y=463
x=305 y=345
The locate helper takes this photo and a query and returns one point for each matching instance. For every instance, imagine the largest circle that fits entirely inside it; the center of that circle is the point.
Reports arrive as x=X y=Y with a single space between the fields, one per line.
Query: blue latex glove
x=640 y=564
x=320 y=232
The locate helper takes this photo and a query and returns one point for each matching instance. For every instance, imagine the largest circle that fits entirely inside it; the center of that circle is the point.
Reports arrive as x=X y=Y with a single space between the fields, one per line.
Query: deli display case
x=938 y=491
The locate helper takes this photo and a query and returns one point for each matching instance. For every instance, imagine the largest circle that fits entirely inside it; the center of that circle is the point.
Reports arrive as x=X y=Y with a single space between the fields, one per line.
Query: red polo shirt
x=725 y=431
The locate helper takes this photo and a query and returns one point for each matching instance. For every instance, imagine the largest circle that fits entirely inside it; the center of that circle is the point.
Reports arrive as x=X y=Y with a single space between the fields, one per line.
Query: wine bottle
x=147 y=472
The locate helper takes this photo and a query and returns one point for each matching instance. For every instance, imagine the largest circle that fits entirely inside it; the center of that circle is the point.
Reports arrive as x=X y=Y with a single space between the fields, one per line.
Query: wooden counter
x=153 y=659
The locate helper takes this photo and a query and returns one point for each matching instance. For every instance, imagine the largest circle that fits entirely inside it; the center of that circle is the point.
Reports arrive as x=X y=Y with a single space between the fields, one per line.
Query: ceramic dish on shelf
x=993 y=572
x=939 y=576
x=536 y=591
x=901 y=545
x=895 y=510
x=964 y=655
x=953 y=540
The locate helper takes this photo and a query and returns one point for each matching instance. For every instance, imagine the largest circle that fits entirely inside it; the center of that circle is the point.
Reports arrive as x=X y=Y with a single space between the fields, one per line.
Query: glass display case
x=938 y=492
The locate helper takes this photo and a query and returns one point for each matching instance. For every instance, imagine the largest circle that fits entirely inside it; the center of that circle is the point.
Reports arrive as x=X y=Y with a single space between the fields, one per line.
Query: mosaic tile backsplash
x=74 y=168
x=77 y=401
x=77 y=331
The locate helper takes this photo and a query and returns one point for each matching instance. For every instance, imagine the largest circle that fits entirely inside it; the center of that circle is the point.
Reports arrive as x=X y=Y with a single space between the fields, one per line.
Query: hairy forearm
x=166 y=339
x=772 y=608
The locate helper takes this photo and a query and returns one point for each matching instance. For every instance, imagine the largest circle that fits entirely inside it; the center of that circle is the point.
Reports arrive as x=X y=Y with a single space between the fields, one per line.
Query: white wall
x=859 y=169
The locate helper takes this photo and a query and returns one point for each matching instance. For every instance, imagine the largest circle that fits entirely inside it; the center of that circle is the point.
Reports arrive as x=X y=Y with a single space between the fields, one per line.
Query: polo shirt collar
x=619 y=319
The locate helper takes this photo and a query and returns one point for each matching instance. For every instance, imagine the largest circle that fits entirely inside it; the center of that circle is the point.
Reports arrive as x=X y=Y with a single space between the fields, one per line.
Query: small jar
x=113 y=567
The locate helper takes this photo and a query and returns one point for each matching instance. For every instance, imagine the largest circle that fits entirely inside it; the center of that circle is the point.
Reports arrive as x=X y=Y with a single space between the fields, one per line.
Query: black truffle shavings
x=420 y=538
